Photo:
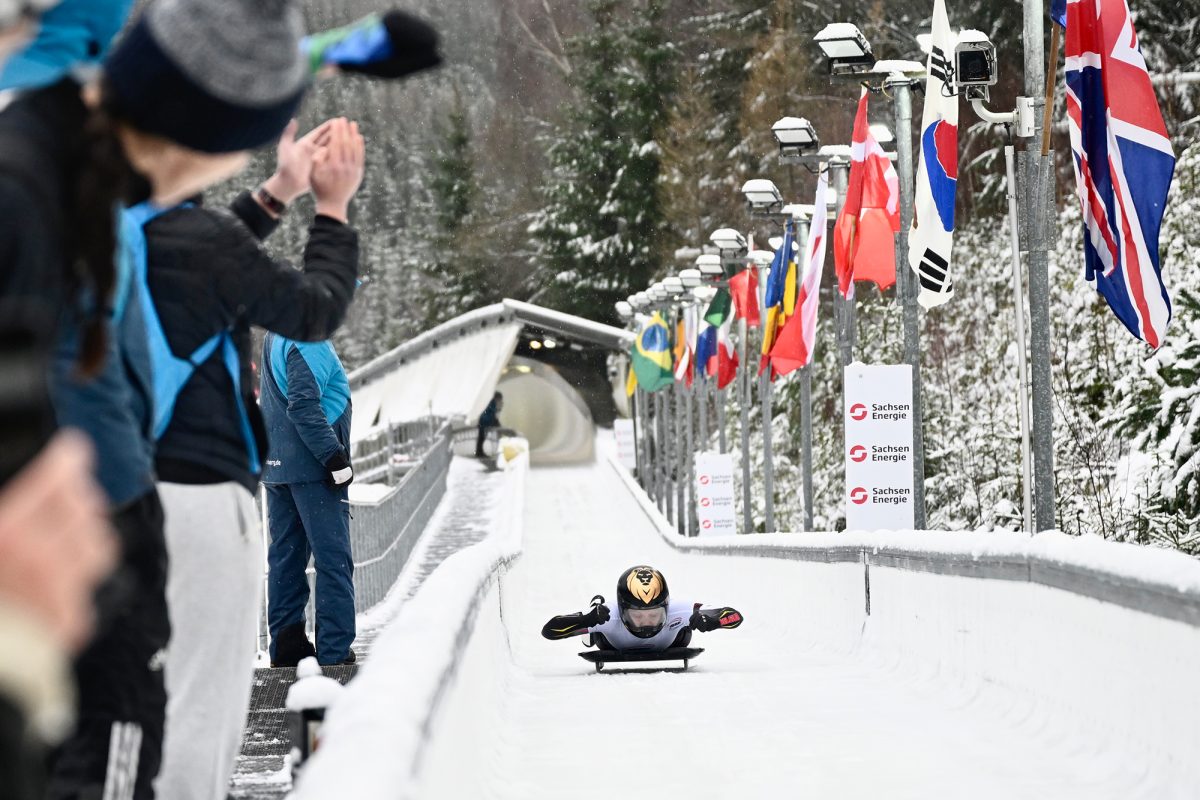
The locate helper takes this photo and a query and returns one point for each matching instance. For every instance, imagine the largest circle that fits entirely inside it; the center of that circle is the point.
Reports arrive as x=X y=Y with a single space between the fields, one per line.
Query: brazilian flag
x=651 y=355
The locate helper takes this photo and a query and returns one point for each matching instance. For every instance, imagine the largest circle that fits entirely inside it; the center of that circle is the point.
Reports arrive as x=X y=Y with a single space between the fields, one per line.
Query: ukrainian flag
x=651 y=355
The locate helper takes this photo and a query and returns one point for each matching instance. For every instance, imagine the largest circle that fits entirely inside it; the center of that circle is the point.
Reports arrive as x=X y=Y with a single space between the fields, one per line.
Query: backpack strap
x=233 y=366
x=171 y=372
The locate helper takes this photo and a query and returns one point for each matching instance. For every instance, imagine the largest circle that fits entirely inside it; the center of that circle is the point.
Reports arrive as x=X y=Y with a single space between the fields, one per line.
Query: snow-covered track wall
x=1102 y=637
x=373 y=742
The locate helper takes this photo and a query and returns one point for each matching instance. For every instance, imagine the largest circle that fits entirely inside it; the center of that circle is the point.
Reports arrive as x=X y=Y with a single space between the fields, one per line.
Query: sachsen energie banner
x=879 y=447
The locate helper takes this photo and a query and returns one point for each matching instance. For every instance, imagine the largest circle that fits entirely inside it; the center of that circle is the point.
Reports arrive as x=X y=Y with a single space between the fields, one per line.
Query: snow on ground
x=790 y=704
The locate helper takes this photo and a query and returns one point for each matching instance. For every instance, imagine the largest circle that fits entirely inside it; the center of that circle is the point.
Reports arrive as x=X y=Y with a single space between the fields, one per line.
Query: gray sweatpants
x=214 y=591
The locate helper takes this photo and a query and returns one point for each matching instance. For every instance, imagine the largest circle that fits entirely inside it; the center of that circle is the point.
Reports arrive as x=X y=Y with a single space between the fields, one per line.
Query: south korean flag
x=932 y=234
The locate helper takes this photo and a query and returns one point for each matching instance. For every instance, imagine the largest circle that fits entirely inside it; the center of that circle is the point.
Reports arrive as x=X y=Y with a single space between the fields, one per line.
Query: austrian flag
x=1123 y=163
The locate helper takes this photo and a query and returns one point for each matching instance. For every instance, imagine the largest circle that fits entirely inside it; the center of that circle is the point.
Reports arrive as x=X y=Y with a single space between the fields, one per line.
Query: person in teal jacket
x=306 y=410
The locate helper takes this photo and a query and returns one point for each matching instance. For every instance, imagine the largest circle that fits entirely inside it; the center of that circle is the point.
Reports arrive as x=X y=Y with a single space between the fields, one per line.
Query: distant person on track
x=646 y=620
x=490 y=418
x=306 y=408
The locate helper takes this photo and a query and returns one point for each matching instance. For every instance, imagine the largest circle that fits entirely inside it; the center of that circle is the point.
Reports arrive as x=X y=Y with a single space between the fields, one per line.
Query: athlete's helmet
x=642 y=600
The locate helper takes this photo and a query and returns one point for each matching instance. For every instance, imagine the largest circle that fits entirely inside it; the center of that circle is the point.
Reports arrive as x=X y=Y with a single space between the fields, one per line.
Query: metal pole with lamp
x=901 y=91
x=975 y=71
x=764 y=199
x=674 y=288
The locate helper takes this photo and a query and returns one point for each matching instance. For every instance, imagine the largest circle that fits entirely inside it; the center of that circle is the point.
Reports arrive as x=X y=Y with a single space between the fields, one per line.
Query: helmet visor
x=644 y=622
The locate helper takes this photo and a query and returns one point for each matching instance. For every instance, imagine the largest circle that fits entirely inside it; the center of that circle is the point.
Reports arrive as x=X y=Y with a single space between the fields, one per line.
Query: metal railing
x=384 y=455
x=383 y=533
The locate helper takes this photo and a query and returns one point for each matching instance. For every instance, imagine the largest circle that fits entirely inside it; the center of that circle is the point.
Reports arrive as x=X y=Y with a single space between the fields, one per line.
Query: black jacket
x=208 y=273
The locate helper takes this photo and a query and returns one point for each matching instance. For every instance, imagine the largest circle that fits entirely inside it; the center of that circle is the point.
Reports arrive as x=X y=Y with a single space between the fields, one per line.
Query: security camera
x=974 y=64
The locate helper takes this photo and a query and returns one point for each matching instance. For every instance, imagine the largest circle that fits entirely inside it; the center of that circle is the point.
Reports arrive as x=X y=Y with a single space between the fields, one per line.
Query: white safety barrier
x=372 y=748
x=1101 y=638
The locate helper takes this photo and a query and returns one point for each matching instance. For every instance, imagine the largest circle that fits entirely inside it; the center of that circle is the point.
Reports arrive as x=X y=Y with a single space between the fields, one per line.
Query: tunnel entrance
x=548 y=411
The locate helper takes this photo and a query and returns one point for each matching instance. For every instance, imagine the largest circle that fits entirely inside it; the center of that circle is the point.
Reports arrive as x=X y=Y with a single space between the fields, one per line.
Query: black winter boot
x=291 y=646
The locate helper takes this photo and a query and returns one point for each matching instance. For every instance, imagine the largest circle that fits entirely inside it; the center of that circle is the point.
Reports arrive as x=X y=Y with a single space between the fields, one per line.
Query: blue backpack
x=171 y=373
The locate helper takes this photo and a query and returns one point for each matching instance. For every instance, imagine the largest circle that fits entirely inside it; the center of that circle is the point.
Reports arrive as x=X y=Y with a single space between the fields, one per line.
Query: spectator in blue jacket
x=306 y=408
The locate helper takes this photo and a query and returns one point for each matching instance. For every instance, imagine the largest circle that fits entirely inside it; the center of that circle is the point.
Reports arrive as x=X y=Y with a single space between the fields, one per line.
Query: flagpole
x=744 y=420
x=806 y=441
x=647 y=438
x=659 y=452
x=689 y=393
x=1019 y=309
x=908 y=288
x=664 y=486
x=680 y=464
x=806 y=460
x=839 y=170
x=721 y=395
x=638 y=463
x=1037 y=174
x=764 y=396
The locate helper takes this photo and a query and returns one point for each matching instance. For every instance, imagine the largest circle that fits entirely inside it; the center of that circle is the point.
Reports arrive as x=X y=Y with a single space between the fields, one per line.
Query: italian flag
x=722 y=359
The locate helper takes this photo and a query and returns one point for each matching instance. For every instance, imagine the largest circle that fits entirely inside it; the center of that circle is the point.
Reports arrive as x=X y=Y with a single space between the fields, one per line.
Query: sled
x=635 y=657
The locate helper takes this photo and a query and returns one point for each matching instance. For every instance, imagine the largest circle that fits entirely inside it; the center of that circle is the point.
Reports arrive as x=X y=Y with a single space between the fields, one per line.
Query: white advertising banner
x=715 y=508
x=879 y=447
x=626 y=444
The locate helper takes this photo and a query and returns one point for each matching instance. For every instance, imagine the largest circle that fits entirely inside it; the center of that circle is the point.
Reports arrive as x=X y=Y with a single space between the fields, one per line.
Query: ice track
x=786 y=706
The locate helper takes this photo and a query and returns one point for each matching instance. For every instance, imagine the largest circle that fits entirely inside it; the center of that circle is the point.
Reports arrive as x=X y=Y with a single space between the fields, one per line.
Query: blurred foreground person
x=192 y=86
x=55 y=546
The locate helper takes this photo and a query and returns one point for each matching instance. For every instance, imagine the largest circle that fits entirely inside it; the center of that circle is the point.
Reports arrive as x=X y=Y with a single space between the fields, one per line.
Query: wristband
x=270 y=202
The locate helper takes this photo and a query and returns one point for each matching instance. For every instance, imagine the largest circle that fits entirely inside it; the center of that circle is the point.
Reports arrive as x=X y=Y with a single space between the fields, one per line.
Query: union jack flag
x=1123 y=162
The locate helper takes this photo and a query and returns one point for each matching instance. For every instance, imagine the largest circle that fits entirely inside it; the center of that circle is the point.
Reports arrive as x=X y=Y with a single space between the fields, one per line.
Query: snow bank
x=373 y=737
x=1096 y=638
x=369 y=492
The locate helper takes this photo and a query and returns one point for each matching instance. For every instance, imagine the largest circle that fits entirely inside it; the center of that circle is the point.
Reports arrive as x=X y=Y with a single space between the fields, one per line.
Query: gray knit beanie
x=13 y=11
x=213 y=75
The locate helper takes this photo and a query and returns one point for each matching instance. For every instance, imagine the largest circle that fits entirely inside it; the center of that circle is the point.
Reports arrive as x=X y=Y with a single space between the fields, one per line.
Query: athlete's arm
x=709 y=619
x=567 y=625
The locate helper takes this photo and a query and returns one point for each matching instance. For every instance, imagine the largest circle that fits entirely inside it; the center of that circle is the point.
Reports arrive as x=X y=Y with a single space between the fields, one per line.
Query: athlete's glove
x=597 y=616
x=712 y=619
x=340 y=472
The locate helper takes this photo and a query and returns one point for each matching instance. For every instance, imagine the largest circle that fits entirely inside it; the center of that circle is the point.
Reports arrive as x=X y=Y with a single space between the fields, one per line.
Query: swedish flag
x=651 y=355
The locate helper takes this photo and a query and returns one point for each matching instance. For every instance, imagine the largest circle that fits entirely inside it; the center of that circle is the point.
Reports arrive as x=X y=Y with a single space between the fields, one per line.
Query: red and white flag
x=864 y=245
x=798 y=339
x=727 y=357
